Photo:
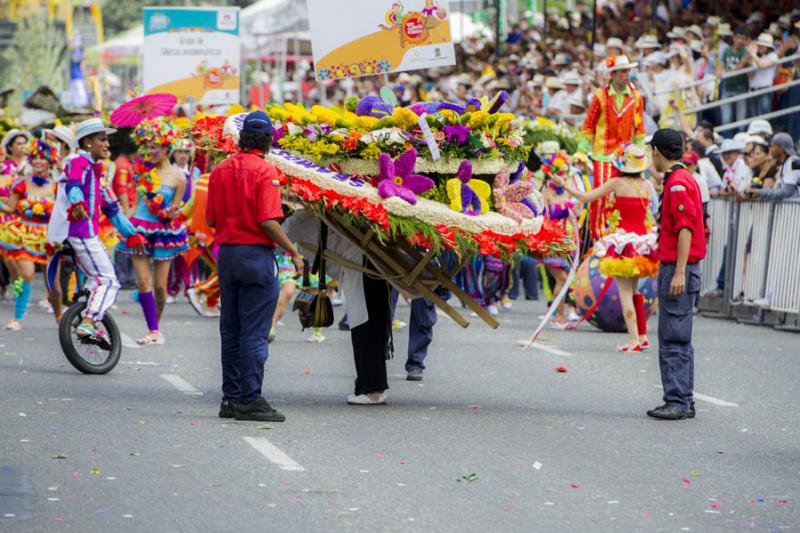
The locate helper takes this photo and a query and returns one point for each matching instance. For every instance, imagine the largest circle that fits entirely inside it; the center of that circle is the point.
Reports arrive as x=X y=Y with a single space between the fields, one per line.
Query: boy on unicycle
x=85 y=197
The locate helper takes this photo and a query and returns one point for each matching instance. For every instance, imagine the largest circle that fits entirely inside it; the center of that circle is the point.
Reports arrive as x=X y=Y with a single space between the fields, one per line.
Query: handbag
x=313 y=305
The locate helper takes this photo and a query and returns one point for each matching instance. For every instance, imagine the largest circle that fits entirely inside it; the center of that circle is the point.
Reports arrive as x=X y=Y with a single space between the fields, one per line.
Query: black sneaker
x=669 y=411
x=257 y=411
x=692 y=412
x=415 y=374
x=226 y=409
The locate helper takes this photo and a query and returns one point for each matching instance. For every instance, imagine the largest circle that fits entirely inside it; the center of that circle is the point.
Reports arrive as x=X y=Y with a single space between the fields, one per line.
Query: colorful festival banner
x=192 y=52
x=353 y=38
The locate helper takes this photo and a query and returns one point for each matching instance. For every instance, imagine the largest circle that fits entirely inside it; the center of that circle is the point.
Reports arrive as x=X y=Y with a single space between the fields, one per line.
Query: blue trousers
x=526 y=273
x=420 y=332
x=249 y=293
x=675 y=350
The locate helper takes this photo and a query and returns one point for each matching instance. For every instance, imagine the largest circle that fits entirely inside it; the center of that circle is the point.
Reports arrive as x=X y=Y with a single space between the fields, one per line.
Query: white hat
x=757 y=16
x=13 y=134
x=647 y=41
x=571 y=78
x=712 y=21
x=548 y=147
x=90 y=127
x=553 y=83
x=741 y=137
x=759 y=125
x=577 y=100
x=621 y=63
x=766 y=40
x=695 y=29
x=731 y=145
x=696 y=46
x=785 y=20
x=656 y=58
x=64 y=134
x=561 y=60
x=614 y=42
x=677 y=33
x=757 y=139
x=725 y=30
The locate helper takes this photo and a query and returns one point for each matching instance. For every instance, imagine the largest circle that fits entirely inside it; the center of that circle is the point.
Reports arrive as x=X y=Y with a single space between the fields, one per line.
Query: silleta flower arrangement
x=435 y=175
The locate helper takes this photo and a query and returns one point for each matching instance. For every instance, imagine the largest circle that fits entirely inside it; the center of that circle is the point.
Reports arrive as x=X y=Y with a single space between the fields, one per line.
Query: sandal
x=645 y=344
x=152 y=338
x=630 y=348
x=14 y=325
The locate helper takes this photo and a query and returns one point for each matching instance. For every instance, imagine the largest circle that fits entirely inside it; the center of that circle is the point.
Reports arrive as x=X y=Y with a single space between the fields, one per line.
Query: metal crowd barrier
x=758 y=245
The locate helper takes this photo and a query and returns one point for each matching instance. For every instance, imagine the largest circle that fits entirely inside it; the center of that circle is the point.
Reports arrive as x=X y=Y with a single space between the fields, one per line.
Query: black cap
x=669 y=142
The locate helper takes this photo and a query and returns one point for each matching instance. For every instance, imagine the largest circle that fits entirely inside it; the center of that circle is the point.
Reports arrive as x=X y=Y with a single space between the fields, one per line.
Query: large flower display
x=424 y=174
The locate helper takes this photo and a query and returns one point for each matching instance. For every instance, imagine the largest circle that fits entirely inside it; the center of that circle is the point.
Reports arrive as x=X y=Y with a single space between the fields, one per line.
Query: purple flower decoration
x=509 y=197
x=457 y=133
x=397 y=178
x=372 y=106
x=468 y=196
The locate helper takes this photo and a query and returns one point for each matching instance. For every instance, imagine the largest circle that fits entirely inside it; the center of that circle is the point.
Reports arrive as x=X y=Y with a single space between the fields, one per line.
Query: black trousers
x=372 y=341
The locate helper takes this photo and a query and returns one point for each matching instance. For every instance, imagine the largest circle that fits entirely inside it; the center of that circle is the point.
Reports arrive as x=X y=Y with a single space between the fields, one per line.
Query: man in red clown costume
x=615 y=119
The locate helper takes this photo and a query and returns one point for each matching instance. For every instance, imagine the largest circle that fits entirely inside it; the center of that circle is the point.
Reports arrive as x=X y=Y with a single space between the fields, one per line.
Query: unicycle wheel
x=90 y=356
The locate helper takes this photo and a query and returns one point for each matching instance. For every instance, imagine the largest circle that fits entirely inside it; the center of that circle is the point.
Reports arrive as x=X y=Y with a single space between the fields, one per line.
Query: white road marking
x=710 y=399
x=127 y=341
x=545 y=348
x=181 y=384
x=713 y=400
x=274 y=454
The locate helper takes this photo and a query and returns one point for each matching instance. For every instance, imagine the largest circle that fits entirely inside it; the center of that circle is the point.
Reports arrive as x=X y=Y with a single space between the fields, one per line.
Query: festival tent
x=124 y=49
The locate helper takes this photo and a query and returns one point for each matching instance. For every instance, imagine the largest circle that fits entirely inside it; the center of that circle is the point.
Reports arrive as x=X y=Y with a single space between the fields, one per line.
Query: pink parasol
x=143 y=108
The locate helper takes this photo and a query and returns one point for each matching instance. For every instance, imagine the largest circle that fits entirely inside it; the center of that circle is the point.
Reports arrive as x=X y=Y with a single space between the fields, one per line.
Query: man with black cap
x=244 y=208
x=681 y=247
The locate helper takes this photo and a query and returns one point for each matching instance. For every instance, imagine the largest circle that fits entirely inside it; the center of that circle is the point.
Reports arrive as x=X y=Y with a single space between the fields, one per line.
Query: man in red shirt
x=681 y=247
x=244 y=208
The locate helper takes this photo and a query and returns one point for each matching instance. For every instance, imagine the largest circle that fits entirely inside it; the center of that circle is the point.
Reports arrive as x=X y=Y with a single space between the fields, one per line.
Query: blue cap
x=257 y=122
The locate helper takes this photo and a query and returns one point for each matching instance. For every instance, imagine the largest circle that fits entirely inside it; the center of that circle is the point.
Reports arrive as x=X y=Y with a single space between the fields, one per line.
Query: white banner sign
x=192 y=52
x=353 y=38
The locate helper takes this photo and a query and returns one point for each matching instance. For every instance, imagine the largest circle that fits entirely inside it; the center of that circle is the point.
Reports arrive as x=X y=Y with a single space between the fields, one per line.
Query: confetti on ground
x=60 y=456
x=687 y=481
x=613 y=502
x=562 y=369
x=574 y=485
x=95 y=471
x=537 y=465
x=469 y=478
x=176 y=466
x=694 y=473
x=263 y=427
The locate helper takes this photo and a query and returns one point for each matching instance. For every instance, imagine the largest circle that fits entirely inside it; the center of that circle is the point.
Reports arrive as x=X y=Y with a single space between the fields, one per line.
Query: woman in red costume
x=630 y=238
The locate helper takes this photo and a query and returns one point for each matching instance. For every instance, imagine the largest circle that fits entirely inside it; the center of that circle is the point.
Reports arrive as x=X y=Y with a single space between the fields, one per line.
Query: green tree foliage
x=37 y=57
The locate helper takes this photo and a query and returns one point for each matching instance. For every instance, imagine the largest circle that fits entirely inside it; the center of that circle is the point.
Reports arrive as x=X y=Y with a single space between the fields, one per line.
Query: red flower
x=448 y=237
x=420 y=240
x=611 y=61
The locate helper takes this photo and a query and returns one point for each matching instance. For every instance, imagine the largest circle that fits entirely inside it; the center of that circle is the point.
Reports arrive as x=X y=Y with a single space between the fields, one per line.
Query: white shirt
x=789 y=176
x=764 y=77
x=709 y=174
x=738 y=175
x=701 y=182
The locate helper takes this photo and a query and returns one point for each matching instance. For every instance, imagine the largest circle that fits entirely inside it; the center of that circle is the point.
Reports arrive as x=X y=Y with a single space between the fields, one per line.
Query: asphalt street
x=493 y=439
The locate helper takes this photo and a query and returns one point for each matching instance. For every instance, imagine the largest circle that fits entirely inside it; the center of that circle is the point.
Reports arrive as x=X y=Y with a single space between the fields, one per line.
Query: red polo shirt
x=681 y=207
x=243 y=192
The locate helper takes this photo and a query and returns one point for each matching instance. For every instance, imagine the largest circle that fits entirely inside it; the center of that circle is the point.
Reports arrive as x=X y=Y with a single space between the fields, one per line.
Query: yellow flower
x=276 y=113
x=405 y=118
x=478 y=119
x=181 y=123
x=449 y=115
x=372 y=152
x=504 y=119
x=366 y=123
x=299 y=114
x=235 y=109
x=541 y=121
x=38 y=209
x=323 y=115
